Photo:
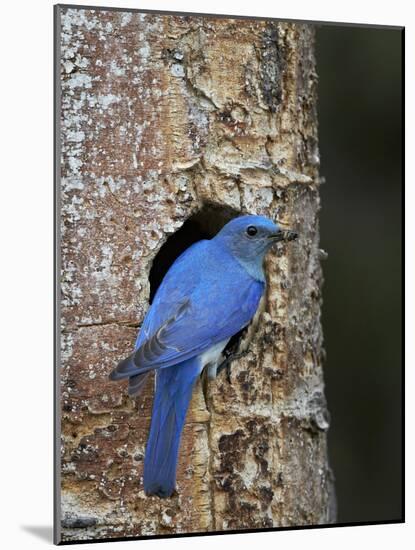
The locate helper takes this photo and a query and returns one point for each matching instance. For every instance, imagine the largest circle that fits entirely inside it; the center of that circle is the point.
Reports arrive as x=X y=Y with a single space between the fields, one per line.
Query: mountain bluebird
x=210 y=293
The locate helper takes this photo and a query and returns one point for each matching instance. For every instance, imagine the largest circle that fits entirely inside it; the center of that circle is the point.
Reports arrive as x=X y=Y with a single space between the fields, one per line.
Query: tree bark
x=162 y=117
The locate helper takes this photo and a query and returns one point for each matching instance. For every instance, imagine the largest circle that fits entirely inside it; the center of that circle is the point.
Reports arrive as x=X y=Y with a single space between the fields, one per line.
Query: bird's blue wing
x=178 y=283
x=205 y=298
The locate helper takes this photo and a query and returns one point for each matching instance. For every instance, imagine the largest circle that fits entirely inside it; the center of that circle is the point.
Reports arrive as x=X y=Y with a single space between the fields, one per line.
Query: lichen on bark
x=162 y=116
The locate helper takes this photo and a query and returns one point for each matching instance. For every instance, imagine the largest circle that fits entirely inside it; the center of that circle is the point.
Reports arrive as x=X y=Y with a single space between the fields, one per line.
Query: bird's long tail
x=174 y=387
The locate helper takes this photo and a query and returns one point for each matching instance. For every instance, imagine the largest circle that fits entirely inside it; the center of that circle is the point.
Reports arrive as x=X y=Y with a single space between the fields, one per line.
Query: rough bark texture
x=162 y=116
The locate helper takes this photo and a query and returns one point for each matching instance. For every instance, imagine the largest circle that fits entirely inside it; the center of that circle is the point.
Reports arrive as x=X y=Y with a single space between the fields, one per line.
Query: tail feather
x=174 y=387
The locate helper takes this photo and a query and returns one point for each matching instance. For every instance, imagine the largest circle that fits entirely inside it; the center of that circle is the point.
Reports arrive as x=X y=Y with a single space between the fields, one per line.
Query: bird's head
x=250 y=237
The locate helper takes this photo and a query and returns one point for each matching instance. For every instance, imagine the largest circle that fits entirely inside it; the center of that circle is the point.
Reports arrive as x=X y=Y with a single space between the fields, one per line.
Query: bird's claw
x=228 y=373
x=226 y=363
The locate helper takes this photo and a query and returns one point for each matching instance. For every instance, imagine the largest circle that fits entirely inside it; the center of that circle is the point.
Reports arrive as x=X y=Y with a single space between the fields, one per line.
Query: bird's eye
x=251 y=230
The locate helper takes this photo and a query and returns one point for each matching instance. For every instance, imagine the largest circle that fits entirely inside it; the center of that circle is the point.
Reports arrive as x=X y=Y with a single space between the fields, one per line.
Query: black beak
x=284 y=235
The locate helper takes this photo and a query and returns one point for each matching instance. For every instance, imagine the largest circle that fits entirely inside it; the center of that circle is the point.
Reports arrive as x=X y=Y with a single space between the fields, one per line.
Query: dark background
x=360 y=130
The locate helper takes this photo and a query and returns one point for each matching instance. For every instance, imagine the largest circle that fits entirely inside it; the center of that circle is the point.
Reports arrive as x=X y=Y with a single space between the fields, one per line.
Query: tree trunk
x=164 y=119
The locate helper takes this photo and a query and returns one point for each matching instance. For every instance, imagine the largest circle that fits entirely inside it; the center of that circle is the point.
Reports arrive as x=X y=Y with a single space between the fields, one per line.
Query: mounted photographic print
x=192 y=385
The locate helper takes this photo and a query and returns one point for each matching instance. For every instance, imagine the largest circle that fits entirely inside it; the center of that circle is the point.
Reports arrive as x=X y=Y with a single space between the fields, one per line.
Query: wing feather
x=188 y=333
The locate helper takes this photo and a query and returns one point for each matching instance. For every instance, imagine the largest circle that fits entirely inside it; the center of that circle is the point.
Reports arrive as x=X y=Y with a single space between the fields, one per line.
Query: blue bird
x=210 y=293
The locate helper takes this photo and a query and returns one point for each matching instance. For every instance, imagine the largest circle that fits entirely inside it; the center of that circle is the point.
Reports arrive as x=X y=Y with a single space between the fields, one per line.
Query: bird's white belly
x=211 y=357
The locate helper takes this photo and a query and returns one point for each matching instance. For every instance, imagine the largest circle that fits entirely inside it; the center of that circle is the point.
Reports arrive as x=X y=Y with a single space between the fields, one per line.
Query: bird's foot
x=226 y=363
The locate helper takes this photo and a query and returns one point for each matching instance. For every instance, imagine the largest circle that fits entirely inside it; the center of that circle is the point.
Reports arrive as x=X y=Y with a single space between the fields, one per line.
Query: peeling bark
x=161 y=116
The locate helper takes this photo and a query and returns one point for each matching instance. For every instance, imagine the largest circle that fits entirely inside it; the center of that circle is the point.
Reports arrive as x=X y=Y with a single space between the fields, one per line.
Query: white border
x=26 y=268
